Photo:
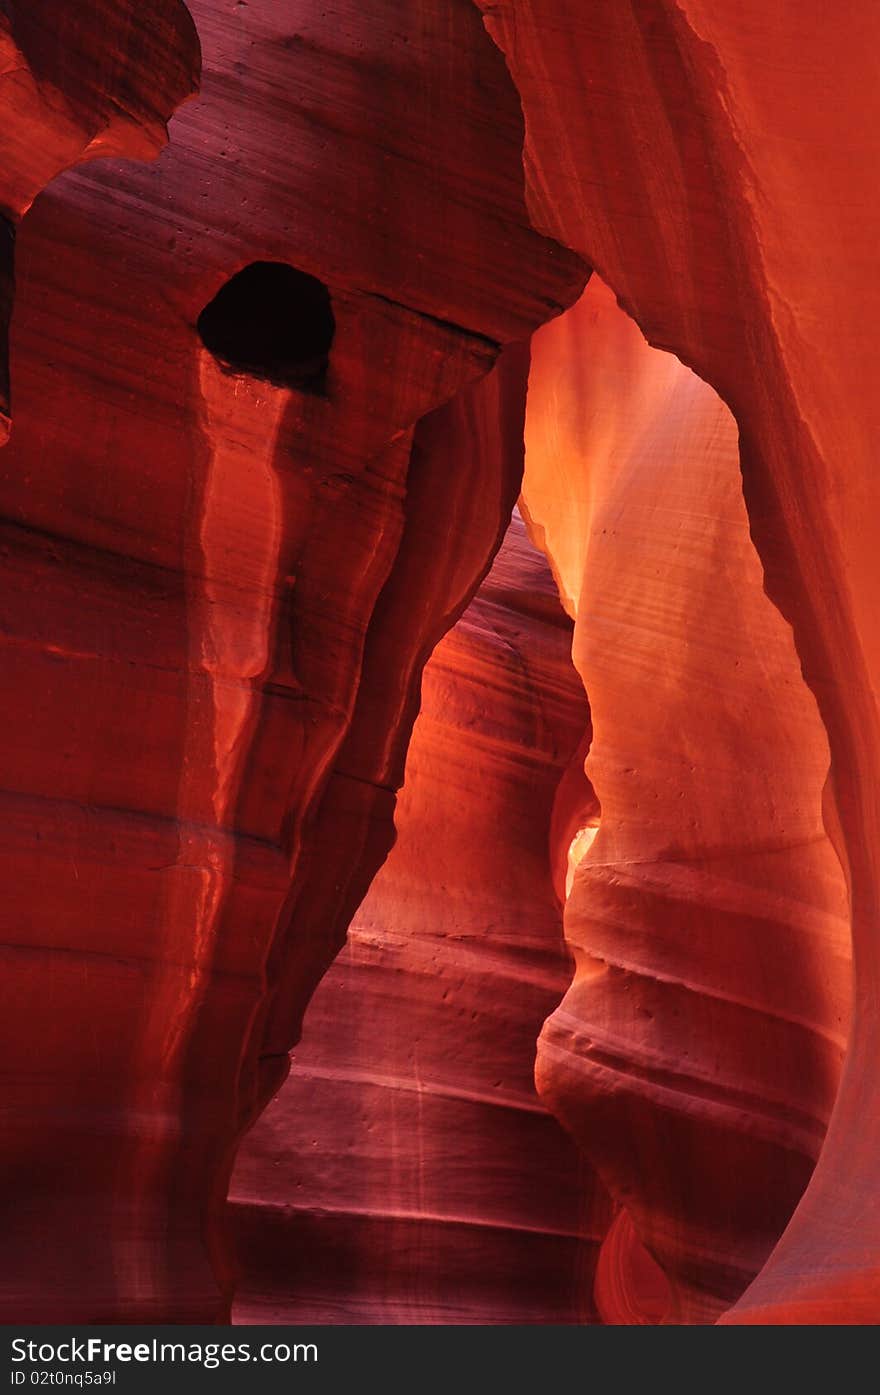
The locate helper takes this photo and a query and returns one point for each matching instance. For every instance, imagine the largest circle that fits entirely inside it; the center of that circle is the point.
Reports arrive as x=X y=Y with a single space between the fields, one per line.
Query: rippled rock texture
x=274 y=392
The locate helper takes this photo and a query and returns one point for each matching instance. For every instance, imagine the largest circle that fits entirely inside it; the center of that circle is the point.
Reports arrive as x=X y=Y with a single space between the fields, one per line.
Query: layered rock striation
x=697 y=1052
x=401 y=1175
x=77 y=82
x=709 y=161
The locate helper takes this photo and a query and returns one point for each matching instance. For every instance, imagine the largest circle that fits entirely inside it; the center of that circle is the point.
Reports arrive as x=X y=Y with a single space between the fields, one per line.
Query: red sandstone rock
x=401 y=1175
x=78 y=81
x=199 y=754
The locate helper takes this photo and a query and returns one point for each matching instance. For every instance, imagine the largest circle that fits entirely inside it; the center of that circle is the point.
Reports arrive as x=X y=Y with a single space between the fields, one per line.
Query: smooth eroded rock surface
x=710 y=161
x=697 y=1052
x=401 y=1175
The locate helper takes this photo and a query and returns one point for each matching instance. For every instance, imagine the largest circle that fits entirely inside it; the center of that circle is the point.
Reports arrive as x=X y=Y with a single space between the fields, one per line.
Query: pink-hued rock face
x=277 y=366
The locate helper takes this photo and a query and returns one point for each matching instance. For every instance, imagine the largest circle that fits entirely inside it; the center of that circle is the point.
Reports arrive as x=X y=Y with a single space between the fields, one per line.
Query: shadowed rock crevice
x=272 y=322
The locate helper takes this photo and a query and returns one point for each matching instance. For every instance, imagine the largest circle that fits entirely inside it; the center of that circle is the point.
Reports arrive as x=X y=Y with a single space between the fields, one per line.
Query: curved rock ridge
x=401 y=1175
x=710 y=161
x=218 y=596
x=697 y=1052
x=76 y=82
x=630 y=1288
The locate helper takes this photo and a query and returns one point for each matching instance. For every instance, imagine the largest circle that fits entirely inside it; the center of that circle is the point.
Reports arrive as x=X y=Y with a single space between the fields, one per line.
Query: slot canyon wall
x=717 y=165
x=706 y=1023
x=303 y=297
x=419 y=1043
x=218 y=595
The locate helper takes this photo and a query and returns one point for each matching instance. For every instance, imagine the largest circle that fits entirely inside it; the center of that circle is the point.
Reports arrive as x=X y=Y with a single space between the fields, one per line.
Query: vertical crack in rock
x=631 y=1289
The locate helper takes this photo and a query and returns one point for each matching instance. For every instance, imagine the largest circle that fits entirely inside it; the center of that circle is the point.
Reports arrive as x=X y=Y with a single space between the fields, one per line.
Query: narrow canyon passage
x=407 y=1171
x=706 y=911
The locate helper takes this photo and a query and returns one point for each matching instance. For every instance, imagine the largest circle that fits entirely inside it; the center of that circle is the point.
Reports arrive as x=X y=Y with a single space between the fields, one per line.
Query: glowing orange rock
x=697 y=1052
x=710 y=160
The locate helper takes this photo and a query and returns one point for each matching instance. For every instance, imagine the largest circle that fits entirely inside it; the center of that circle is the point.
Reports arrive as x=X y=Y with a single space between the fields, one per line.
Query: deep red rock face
x=400 y=1175
x=269 y=417
x=218 y=596
x=76 y=82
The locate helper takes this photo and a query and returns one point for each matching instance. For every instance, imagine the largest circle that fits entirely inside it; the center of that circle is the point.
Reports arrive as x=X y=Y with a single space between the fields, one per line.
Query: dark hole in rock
x=273 y=322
